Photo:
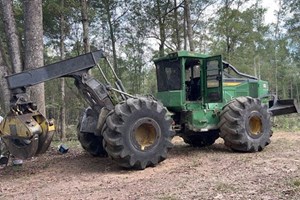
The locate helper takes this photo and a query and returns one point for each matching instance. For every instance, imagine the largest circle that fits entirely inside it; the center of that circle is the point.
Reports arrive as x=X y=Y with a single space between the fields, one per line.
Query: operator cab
x=184 y=77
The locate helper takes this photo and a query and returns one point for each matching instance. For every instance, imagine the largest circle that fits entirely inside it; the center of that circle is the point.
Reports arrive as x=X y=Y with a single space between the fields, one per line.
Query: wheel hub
x=145 y=133
x=255 y=125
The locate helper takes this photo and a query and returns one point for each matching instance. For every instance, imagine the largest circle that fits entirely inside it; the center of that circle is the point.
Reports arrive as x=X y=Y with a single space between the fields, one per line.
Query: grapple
x=25 y=131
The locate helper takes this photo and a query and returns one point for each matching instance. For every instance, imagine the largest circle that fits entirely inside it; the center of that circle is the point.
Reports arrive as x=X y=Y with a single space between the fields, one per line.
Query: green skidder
x=209 y=98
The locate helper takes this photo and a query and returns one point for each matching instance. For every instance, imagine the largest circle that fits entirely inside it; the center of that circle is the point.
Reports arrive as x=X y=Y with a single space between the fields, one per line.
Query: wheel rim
x=145 y=134
x=255 y=125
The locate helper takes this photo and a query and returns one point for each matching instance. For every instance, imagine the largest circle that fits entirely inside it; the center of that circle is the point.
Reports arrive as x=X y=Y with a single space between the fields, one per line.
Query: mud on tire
x=245 y=125
x=138 y=133
x=85 y=133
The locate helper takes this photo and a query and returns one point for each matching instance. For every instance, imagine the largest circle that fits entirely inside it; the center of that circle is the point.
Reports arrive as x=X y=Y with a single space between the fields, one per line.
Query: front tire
x=138 y=133
x=245 y=125
x=86 y=133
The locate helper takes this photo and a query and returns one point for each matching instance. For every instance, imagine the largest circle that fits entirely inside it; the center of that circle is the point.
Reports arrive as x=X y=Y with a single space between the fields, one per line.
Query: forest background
x=133 y=32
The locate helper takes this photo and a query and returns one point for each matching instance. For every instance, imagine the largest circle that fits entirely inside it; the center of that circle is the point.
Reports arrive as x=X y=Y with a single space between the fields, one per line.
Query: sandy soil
x=214 y=172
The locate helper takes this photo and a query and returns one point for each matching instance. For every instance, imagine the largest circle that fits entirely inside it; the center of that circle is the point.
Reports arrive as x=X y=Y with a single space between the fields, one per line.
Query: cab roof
x=183 y=53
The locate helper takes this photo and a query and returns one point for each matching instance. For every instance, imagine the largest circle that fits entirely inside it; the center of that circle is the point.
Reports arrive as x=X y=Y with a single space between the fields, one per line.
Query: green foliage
x=293 y=26
x=239 y=44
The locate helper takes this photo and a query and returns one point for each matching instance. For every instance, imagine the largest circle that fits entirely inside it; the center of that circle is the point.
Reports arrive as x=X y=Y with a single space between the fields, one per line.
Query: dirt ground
x=214 y=172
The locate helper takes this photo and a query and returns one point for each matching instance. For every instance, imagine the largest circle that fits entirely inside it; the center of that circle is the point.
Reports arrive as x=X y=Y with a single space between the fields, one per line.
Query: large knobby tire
x=245 y=125
x=202 y=139
x=86 y=135
x=138 y=133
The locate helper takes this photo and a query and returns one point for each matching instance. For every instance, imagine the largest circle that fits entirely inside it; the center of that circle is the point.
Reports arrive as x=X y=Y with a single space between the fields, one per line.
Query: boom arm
x=25 y=130
x=76 y=68
x=63 y=68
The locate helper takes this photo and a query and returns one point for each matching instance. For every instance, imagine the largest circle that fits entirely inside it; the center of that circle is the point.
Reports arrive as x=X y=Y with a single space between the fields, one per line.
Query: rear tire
x=200 y=139
x=89 y=141
x=138 y=133
x=245 y=125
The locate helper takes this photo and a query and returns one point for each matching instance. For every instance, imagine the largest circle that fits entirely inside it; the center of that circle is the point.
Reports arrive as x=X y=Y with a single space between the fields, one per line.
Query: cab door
x=213 y=86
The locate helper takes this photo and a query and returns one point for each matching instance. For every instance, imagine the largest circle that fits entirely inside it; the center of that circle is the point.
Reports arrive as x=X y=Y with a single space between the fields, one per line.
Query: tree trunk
x=112 y=36
x=189 y=24
x=85 y=24
x=4 y=92
x=291 y=93
x=11 y=35
x=228 y=46
x=277 y=38
x=62 y=91
x=177 y=26
x=162 y=34
x=184 y=31
x=34 y=47
x=284 y=91
x=297 y=92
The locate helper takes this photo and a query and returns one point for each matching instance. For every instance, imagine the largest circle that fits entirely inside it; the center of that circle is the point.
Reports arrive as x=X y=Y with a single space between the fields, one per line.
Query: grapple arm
x=64 y=68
